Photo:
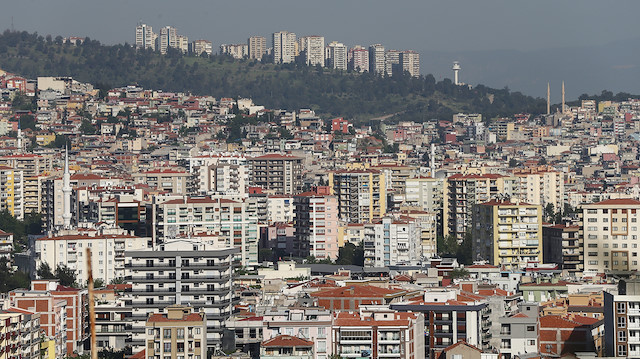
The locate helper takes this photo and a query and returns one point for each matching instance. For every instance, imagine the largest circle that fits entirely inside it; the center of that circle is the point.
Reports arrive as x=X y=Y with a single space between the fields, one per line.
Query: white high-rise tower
x=456 y=70
x=66 y=191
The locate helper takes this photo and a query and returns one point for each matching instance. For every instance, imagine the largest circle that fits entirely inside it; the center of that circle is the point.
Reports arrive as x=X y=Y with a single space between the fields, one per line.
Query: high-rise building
x=182 y=43
x=392 y=62
x=200 y=46
x=257 y=47
x=392 y=242
x=314 y=50
x=362 y=194
x=145 y=37
x=237 y=51
x=610 y=233
x=277 y=174
x=376 y=59
x=63 y=312
x=12 y=189
x=461 y=192
x=410 y=62
x=20 y=333
x=168 y=38
x=316 y=223
x=180 y=272
x=284 y=47
x=622 y=322
x=541 y=186
x=507 y=234
x=336 y=56
x=227 y=223
x=358 y=58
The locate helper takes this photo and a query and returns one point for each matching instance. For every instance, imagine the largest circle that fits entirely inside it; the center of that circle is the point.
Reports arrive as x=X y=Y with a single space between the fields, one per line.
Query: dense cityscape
x=219 y=227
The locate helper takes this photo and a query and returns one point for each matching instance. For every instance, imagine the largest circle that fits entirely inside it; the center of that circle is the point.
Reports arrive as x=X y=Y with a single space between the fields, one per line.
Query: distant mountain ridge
x=328 y=92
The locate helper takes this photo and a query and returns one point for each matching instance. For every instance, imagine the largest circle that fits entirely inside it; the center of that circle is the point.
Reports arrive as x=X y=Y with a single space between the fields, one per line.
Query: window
x=166 y=334
x=593 y=254
x=322 y=346
x=593 y=245
x=622 y=321
x=620 y=308
x=593 y=263
x=531 y=328
x=197 y=330
x=531 y=342
x=622 y=336
x=167 y=347
x=622 y=350
x=180 y=333
x=592 y=220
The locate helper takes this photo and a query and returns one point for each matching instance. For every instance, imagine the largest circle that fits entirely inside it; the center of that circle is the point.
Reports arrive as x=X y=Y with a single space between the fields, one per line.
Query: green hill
x=290 y=86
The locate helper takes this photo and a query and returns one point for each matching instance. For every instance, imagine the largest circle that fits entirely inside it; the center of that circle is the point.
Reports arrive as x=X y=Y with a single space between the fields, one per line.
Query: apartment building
x=461 y=192
x=237 y=51
x=224 y=178
x=392 y=62
x=507 y=234
x=563 y=245
x=225 y=222
x=145 y=37
x=30 y=164
x=6 y=245
x=376 y=59
x=257 y=47
x=316 y=223
x=168 y=180
x=107 y=253
x=392 y=242
x=199 y=47
x=180 y=272
x=429 y=231
x=410 y=62
x=361 y=194
x=286 y=346
x=280 y=208
x=314 y=50
x=447 y=321
x=308 y=323
x=336 y=56
x=277 y=174
x=519 y=332
x=424 y=193
x=12 y=189
x=179 y=332
x=284 y=47
x=19 y=334
x=358 y=58
x=63 y=312
x=168 y=38
x=379 y=333
x=541 y=186
x=610 y=231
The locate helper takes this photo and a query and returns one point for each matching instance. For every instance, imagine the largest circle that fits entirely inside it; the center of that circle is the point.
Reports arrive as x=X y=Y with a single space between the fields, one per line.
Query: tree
x=98 y=283
x=118 y=280
x=44 y=271
x=447 y=246
x=9 y=279
x=265 y=255
x=350 y=254
x=549 y=212
x=59 y=142
x=87 y=128
x=513 y=163
x=66 y=275
x=459 y=273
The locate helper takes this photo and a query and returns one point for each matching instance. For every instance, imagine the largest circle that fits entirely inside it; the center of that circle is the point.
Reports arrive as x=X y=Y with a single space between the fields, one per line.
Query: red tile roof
x=140 y=355
x=617 y=202
x=287 y=341
x=193 y=317
x=359 y=291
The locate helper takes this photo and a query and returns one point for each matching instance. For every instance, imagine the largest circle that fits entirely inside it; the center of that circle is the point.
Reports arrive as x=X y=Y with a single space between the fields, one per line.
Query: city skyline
x=523 y=58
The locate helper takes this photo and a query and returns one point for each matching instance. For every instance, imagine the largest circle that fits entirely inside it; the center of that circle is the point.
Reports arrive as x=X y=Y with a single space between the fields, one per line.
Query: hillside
x=328 y=92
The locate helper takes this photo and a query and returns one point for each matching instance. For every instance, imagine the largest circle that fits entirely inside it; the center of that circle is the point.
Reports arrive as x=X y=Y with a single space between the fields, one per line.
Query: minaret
x=433 y=160
x=563 y=97
x=548 y=99
x=66 y=191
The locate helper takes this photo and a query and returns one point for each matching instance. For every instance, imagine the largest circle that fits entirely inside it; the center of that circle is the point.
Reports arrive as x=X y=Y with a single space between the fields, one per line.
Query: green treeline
x=288 y=86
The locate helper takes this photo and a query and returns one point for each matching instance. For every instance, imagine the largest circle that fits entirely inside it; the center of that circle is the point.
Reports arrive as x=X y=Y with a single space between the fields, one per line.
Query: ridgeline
x=291 y=86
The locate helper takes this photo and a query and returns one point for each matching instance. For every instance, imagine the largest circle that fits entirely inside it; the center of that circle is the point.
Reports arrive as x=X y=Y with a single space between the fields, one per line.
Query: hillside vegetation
x=290 y=86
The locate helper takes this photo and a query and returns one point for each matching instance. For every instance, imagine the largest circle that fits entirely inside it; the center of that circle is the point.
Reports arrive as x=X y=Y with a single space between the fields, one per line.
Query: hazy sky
x=444 y=25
